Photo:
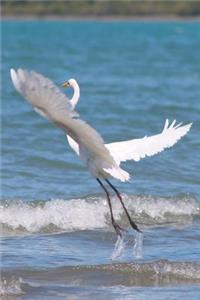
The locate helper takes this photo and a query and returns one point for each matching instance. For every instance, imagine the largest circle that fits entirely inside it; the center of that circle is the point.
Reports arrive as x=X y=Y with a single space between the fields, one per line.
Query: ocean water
x=56 y=236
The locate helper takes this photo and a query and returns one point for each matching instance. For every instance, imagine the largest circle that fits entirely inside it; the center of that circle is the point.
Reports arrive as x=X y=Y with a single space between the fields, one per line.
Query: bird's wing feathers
x=139 y=148
x=86 y=137
x=74 y=145
x=48 y=100
x=41 y=93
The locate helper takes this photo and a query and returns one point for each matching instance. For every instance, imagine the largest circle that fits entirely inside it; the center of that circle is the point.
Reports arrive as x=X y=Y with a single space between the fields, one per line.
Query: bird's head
x=69 y=83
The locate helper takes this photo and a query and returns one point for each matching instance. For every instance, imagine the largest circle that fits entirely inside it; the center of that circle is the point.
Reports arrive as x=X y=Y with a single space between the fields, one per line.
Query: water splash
x=119 y=247
x=138 y=246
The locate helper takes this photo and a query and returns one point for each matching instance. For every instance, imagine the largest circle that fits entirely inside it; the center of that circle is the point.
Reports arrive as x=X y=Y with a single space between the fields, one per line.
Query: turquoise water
x=54 y=217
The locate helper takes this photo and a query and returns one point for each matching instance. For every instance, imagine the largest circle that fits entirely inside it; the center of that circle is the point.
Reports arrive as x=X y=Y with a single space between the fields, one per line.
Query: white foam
x=67 y=215
x=93 y=213
x=162 y=209
x=10 y=287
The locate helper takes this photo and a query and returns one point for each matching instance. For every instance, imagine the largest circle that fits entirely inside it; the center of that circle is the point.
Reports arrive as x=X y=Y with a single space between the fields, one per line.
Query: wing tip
x=173 y=125
x=188 y=126
x=15 y=79
x=166 y=125
x=12 y=73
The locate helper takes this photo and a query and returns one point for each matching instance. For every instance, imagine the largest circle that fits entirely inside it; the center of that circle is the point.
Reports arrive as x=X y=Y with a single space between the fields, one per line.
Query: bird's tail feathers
x=118 y=173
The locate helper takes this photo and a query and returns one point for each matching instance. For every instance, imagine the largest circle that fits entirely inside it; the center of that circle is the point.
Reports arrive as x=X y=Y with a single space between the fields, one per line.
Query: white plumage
x=40 y=91
x=147 y=146
x=50 y=102
x=102 y=160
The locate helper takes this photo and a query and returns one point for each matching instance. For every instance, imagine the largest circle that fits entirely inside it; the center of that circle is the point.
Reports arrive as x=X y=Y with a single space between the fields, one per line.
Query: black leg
x=117 y=228
x=133 y=225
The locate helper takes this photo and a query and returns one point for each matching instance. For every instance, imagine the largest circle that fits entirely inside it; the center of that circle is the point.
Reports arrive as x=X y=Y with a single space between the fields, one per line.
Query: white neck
x=76 y=96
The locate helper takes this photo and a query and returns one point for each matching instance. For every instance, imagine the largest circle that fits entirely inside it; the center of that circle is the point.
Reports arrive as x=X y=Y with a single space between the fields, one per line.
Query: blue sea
x=56 y=236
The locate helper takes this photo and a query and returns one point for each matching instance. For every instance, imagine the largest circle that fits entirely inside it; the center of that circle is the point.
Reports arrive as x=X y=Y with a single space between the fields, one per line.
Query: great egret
x=102 y=160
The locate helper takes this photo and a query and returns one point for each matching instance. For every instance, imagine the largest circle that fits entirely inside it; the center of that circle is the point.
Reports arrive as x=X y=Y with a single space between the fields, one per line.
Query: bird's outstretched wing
x=48 y=100
x=41 y=92
x=139 y=148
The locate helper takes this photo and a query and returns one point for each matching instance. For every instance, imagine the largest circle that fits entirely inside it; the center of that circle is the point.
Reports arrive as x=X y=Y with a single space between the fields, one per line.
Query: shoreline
x=111 y=18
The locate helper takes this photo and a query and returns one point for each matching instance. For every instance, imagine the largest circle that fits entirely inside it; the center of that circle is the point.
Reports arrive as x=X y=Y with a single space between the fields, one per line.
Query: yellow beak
x=65 y=84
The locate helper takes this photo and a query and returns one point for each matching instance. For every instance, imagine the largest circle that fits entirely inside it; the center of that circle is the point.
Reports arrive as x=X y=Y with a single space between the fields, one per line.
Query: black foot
x=134 y=226
x=118 y=229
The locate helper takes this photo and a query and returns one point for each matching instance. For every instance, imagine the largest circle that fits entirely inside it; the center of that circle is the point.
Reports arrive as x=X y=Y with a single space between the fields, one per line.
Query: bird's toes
x=118 y=229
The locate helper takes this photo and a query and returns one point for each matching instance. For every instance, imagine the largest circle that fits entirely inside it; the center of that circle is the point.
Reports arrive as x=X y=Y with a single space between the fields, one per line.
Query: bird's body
x=134 y=149
x=102 y=160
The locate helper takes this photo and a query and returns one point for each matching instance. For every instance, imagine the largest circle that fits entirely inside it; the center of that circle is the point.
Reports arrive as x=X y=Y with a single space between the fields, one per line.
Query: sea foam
x=93 y=213
x=11 y=287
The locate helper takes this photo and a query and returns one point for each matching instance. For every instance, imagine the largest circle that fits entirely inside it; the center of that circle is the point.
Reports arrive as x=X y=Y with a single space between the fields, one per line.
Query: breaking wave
x=93 y=213
x=153 y=273
x=158 y=272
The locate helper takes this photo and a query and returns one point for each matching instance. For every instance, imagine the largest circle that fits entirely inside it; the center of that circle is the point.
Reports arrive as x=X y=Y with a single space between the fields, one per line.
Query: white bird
x=102 y=160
